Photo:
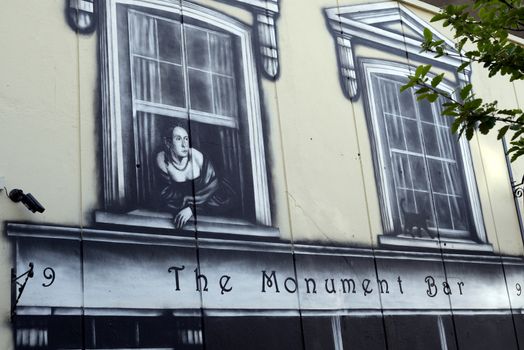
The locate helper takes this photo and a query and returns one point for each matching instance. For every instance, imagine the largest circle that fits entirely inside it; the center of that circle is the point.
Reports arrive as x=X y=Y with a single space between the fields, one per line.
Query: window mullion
x=157 y=59
x=185 y=67
x=426 y=163
x=208 y=36
x=412 y=185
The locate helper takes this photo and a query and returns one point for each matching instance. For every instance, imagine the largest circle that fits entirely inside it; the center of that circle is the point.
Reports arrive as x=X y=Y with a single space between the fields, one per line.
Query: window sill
x=429 y=243
x=208 y=224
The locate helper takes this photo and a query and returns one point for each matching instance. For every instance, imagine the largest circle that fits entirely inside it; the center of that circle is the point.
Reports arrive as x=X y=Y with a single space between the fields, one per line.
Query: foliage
x=484 y=25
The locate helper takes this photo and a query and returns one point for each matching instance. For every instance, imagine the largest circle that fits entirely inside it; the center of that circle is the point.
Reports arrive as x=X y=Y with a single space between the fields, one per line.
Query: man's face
x=180 y=142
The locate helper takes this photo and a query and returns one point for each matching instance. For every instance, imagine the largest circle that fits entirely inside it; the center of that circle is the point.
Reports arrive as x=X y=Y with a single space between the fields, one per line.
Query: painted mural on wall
x=184 y=252
x=183 y=123
x=425 y=176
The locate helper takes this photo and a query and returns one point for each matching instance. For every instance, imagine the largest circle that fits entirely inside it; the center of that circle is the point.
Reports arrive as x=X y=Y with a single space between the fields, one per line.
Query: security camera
x=27 y=199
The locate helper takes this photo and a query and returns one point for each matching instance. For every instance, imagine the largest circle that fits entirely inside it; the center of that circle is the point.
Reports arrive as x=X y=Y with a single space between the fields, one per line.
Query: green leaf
x=502 y=132
x=428 y=35
x=426 y=69
x=422 y=90
x=439 y=17
x=518 y=152
x=436 y=80
x=464 y=92
x=405 y=87
x=484 y=128
x=463 y=66
x=450 y=111
x=518 y=133
x=422 y=96
x=418 y=71
x=432 y=97
x=469 y=133
x=474 y=104
x=455 y=125
x=461 y=44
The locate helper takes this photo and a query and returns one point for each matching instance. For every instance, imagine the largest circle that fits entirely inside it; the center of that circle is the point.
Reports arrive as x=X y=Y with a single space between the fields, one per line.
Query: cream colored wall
x=324 y=182
x=40 y=125
x=323 y=179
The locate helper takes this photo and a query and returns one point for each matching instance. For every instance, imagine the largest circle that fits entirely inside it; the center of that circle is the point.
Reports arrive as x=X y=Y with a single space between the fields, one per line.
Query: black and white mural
x=183 y=123
x=424 y=174
x=184 y=251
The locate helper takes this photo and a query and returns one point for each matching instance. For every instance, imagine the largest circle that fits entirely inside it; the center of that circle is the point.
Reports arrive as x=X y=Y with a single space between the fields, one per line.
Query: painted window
x=182 y=72
x=183 y=68
x=196 y=70
x=421 y=166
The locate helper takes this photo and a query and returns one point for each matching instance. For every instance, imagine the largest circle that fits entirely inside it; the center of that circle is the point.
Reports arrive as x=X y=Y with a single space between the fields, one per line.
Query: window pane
x=437 y=176
x=172 y=80
x=142 y=35
x=388 y=96
x=431 y=143
x=412 y=136
x=200 y=90
x=424 y=206
x=426 y=113
x=446 y=141
x=453 y=179
x=197 y=48
x=406 y=204
x=394 y=132
x=418 y=173
x=401 y=172
x=443 y=212
x=146 y=82
x=416 y=202
x=439 y=118
x=221 y=54
x=407 y=107
x=169 y=41
x=224 y=92
x=458 y=210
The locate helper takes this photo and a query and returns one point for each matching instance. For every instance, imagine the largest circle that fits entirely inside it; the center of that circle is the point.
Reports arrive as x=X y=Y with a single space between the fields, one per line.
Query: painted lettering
x=199 y=278
x=332 y=289
x=294 y=288
x=366 y=287
x=383 y=284
x=224 y=280
x=460 y=285
x=348 y=285
x=432 y=288
x=400 y=285
x=269 y=281
x=446 y=288
x=176 y=269
x=312 y=281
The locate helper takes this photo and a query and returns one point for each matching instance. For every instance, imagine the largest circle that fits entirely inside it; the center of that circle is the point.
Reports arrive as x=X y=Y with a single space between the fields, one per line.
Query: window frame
x=369 y=67
x=114 y=175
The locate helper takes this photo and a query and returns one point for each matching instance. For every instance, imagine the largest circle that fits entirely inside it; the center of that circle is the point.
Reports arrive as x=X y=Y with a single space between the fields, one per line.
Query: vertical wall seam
x=440 y=248
x=287 y=194
x=80 y=183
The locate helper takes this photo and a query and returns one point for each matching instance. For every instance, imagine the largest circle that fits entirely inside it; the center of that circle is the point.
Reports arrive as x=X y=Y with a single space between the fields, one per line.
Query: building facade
x=246 y=174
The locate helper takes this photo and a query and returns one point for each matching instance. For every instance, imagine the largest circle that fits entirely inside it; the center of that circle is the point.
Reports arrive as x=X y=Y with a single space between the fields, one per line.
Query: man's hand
x=181 y=218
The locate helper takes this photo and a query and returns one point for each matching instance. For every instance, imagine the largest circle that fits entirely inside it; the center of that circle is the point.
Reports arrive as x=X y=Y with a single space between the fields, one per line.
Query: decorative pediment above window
x=266 y=13
x=387 y=24
x=82 y=13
